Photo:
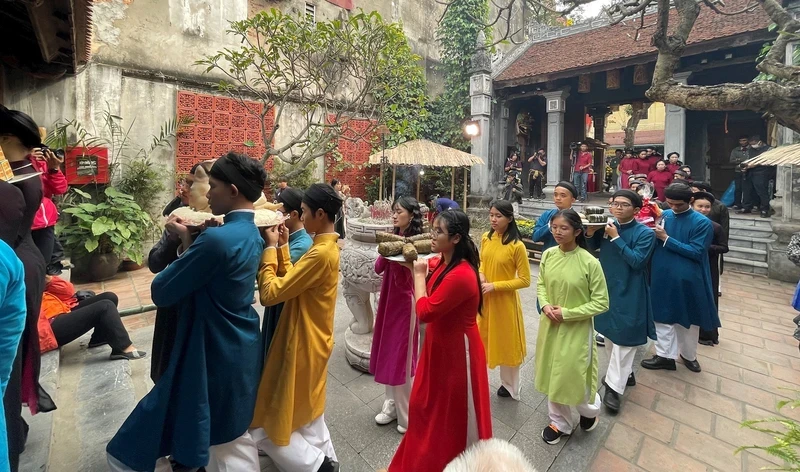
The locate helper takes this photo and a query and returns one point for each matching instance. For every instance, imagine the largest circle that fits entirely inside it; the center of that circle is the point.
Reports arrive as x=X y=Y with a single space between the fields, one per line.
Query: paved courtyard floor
x=670 y=421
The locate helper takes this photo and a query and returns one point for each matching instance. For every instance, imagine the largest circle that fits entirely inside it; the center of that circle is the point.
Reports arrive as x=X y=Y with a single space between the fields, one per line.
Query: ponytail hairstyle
x=512 y=234
x=574 y=220
x=457 y=223
x=411 y=205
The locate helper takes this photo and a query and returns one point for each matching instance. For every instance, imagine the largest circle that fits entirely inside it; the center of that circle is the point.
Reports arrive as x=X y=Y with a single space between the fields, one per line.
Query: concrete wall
x=168 y=36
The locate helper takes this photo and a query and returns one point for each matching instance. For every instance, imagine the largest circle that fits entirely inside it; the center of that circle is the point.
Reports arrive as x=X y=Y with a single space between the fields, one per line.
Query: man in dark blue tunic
x=625 y=250
x=683 y=302
x=201 y=407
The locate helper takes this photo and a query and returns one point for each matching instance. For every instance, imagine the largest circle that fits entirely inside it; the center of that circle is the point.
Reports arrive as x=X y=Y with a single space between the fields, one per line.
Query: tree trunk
x=639 y=111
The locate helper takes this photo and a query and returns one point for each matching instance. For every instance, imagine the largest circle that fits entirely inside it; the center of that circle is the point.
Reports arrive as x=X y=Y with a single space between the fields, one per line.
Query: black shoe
x=600 y=339
x=631 y=381
x=764 y=214
x=552 y=435
x=658 y=362
x=95 y=344
x=694 y=366
x=706 y=342
x=743 y=212
x=127 y=356
x=611 y=400
x=328 y=465
x=503 y=392
x=588 y=424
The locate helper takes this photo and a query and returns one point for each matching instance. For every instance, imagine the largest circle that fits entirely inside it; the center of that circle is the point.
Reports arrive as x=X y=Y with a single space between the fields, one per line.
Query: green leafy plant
x=108 y=223
x=786 y=433
x=325 y=73
x=300 y=180
x=457 y=34
x=131 y=167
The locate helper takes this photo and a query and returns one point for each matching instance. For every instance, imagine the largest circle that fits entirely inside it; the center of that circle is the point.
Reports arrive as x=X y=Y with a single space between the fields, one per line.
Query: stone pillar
x=675 y=124
x=599 y=115
x=786 y=204
x=555 y=106
x=480 y=95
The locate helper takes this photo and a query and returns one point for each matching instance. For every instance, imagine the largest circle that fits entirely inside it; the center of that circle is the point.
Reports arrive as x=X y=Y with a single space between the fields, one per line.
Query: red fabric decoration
x=346 y=4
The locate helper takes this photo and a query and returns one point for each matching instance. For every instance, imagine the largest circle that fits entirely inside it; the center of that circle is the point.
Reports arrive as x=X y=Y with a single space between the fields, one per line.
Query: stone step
x=735 y=240
x=752 y=232
x=746 y=266
x=745 y=253
x=749 y=221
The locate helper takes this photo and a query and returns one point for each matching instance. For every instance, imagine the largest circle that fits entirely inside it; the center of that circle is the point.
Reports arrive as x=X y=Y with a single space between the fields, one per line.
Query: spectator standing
x=673 y=162
x=537 y=174
x=703 y=202
x=53 y=183
x=282 y=185
x=660 y=178
x=642 y=163
x=583 y=167
x=626 y=169
x=739 y=154
x=756 y=181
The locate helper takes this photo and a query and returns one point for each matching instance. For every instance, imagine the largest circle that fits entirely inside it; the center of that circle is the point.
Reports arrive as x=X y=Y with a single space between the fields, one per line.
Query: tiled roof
x=612 y=43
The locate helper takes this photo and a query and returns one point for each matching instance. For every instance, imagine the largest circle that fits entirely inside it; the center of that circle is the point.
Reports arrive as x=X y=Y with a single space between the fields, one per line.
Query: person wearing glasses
x=572 y=290
x=625 y=250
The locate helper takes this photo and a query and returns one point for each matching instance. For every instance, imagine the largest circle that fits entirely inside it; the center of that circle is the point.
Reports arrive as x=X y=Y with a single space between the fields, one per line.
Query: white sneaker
x=401 y=429
x=382 y=418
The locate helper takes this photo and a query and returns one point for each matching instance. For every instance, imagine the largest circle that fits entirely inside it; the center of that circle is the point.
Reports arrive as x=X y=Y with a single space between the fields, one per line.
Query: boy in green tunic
x=572 y=290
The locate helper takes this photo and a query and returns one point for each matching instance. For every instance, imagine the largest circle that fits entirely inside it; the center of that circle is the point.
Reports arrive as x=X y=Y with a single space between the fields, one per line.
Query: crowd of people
x=50 y=313
x=230 y=387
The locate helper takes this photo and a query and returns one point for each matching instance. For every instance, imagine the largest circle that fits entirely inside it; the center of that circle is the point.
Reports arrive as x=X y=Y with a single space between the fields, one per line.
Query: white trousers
x=509 y=378
x=673 y=340
x=307 y=447
x=395 y=403
x=239 y=455
x=620 y=365
x=561 y=415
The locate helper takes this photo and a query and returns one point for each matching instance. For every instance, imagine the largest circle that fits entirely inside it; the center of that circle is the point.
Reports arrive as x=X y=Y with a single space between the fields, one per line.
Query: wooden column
x=452 y=183
x=394 y=180
x=380 y=184
x=466 y=169
x=419 y=178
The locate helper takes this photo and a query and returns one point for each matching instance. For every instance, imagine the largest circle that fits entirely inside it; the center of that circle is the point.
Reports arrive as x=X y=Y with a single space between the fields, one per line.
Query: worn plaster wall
x=163 y=36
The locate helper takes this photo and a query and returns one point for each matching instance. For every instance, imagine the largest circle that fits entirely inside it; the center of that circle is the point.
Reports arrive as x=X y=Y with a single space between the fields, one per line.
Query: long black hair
x=411 y=205
x=574 y=220
x=457 y=223
x=505 y=208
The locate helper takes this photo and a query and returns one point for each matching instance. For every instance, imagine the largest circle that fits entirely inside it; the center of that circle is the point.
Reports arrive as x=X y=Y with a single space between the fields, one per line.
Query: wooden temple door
x=721 y=144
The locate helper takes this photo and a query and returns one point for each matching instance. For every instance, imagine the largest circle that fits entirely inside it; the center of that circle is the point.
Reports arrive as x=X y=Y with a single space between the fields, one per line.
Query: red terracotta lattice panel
x=357 y=174
x=204 y=134
x=220 y=124
x=187 y=100
x=238 y=121
x=202 y=117
x=238 y=136
x=222 y=135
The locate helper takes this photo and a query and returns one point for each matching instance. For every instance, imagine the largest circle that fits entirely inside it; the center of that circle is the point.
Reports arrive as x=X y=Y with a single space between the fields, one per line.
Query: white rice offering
x=265 y=218
x=191 y=217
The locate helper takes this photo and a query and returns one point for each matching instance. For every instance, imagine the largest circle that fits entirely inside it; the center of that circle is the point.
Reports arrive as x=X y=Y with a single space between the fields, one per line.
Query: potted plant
x=104 y=229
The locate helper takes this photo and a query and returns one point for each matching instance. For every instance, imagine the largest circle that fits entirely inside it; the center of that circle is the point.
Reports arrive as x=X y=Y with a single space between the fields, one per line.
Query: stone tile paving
x=670 y=420
x=686 y=421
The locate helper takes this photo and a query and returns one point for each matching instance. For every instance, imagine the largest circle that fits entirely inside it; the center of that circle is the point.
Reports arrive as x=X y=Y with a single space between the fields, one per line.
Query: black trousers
x=98 y=313
x=737 y=189
x=535 y=185
x=45 y=240
x=756 y=190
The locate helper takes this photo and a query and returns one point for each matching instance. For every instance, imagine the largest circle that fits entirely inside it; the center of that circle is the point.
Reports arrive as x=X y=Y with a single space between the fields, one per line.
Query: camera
x=58 y=152
x=574 y=145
